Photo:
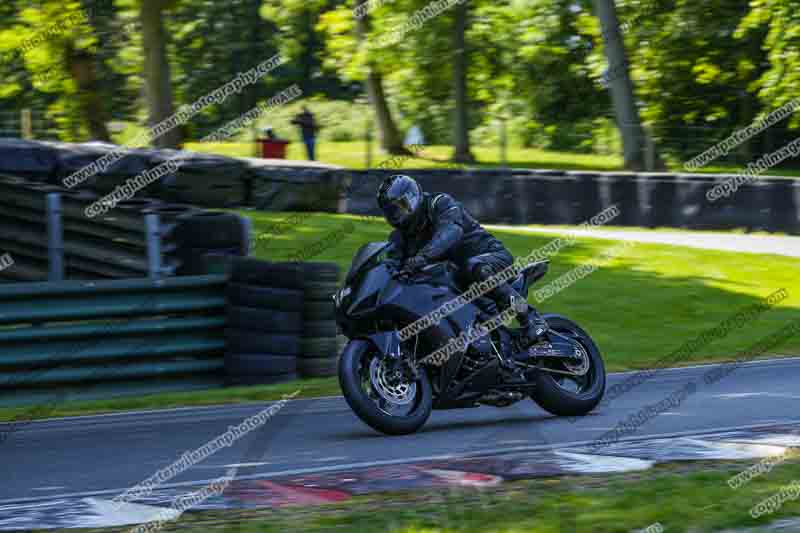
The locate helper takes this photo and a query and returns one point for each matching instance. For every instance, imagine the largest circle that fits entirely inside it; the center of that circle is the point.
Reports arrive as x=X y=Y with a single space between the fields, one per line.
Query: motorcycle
x=393 y=384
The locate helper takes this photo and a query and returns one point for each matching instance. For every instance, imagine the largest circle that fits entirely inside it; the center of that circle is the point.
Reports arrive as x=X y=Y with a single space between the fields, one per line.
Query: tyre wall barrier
x=47 y=232
x=265 y=322
x=522 y=196
x=71 y=340
x=280 y=321
x=277 y=188
x=321 y=344
x=201 y=179
x=29 y=159
x=558 y=197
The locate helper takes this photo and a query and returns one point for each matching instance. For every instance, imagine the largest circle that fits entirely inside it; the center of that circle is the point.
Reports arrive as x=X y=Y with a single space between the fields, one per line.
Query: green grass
x=681 y=497
x=639 y=307
x=309 y=388
x=352 y=155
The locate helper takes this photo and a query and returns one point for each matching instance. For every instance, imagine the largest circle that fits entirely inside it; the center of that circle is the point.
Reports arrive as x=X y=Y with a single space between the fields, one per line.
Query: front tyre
x=381 y=398
x=564 y=395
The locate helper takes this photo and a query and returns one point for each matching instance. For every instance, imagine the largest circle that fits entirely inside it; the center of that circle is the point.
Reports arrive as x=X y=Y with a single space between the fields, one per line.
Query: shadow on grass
x=638 y=317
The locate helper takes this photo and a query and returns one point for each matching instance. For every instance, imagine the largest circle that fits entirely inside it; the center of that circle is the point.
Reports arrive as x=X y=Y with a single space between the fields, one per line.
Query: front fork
x=389 y=347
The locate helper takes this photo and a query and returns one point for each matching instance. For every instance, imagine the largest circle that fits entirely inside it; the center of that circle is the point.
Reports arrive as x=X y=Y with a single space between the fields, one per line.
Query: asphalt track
x=102 y=456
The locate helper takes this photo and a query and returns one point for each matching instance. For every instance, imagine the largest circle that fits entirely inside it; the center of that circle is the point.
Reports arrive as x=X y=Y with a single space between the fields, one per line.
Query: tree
x=771 y=29
x=461 y=153
x=158 y=82
x=81 y=65
x=619 y=83
x=388 y=134
x=349 y=50
x=56 y=61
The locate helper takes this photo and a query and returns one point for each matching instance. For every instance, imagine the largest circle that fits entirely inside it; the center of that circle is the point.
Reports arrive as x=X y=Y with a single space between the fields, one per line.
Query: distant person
x=414 y=136
x=308 y=129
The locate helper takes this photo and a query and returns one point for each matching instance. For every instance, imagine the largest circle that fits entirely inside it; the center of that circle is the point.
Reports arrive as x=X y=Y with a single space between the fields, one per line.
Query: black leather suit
x=444 y=230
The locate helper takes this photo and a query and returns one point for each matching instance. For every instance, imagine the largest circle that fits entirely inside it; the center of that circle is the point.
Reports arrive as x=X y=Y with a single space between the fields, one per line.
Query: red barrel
x=272 y=148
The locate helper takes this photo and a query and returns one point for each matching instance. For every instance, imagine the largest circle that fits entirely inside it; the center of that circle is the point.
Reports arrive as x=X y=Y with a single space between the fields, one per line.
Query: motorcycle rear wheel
x=383 y=402
x=561 y=395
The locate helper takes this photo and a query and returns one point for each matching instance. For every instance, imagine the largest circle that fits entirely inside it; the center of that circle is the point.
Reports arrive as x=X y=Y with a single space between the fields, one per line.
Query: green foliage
x=36 y=42
x=777 y=84
x=701 y=70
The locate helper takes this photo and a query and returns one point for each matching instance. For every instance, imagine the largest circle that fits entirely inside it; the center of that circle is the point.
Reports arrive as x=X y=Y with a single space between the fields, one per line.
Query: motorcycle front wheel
x=380 y=396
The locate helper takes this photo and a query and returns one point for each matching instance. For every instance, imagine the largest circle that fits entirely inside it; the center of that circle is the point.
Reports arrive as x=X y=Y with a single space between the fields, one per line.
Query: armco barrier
x=75 y=339
x=46 y=230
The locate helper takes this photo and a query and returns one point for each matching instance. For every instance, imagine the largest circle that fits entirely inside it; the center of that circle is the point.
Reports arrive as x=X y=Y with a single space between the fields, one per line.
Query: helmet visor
x=400 y=210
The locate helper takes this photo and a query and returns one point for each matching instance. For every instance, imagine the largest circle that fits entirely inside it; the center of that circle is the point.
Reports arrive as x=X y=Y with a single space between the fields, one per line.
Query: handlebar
x=427 y=269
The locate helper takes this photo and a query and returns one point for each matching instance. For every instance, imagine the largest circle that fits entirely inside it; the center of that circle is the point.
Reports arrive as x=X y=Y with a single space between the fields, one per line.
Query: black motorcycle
x=393 y=384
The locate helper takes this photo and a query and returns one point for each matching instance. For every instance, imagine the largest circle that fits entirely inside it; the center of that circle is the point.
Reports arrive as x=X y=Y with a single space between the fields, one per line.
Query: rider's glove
x=414 y=264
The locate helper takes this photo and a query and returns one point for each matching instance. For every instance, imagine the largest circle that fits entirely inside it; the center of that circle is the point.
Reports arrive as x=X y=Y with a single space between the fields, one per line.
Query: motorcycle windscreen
x=363 y=256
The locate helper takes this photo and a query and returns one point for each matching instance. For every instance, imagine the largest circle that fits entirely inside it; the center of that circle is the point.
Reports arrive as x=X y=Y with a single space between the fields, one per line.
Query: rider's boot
x=505 y=296
x=533 y=328
x=533 y=324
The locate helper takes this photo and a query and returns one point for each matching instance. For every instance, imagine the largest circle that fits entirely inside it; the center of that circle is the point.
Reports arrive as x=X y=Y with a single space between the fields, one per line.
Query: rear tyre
x=562 y=395
x=389 y=407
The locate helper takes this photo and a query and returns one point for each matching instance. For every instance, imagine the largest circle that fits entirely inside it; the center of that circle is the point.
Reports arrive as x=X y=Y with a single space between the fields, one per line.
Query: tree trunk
x=256 y=23
x=158 y=85
x=462 y=153
x=81 y=64
x=388 y=134
x=619 y=83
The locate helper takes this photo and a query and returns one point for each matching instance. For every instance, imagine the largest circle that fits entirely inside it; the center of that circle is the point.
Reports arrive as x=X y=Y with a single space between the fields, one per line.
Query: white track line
x=390 y=462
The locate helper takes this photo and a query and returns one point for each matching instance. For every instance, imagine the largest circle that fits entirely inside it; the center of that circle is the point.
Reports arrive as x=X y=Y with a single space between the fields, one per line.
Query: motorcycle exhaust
x=497 y=398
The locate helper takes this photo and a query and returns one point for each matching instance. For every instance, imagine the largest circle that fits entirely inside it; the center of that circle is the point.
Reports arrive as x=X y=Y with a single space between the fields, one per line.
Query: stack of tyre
x=265 y=322
x=320 y=346
x=199 y=239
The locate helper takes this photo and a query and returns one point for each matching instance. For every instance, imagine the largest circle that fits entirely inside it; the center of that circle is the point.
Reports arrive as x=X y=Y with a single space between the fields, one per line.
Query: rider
x=435 y=227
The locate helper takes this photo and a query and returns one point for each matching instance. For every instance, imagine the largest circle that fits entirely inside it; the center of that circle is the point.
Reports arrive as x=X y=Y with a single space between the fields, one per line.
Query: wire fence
x=29 y=124
x=675 y=145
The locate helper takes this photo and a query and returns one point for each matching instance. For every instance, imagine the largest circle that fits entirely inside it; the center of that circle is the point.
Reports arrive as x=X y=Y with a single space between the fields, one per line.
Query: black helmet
x=400 y=198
